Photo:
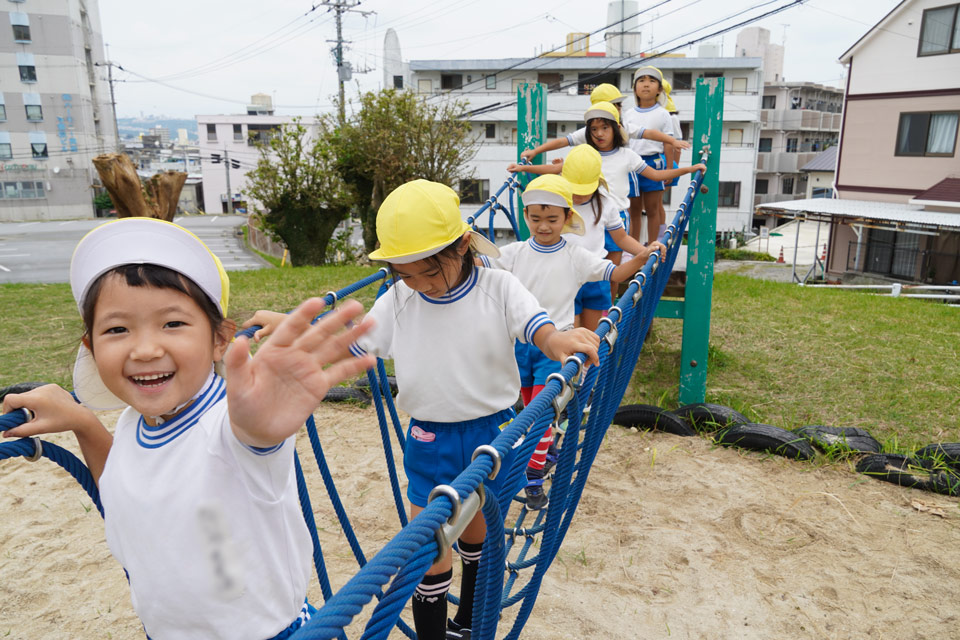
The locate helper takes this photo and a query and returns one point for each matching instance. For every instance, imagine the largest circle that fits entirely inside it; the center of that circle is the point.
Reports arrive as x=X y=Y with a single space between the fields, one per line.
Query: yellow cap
x=554 y=190
x=602 y=110
x=418 y=219
x=669 y=106
x=583 y=169
x=606 y=93
x=655 y=73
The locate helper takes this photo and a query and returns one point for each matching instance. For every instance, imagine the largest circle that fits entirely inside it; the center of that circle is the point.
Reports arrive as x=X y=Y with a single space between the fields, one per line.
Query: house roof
x=888 y=214
x=946 y=191
x=824 y=161
x=856 y=45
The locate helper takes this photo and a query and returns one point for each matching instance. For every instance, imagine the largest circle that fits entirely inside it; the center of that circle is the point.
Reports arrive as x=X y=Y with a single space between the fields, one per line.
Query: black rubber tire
x=946 y=452
x=20 y=387
x=849 y=438
x=363 y=383
x=905 y=471
x=647 y=416
x=347 y=394
x=765 y=437
x=706 y=416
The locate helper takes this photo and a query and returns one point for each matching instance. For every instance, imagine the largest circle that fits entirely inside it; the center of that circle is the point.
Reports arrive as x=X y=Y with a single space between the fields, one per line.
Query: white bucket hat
x=137 y=241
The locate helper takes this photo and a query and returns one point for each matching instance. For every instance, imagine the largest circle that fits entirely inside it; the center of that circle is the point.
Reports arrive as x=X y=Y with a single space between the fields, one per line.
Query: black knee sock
x=470 y=561
x=430 y=606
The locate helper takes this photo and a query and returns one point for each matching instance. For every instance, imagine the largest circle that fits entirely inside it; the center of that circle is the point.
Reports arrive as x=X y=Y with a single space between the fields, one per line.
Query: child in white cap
x=450 y=329
x=197 y=481
x=553 y=270
x=646 y=194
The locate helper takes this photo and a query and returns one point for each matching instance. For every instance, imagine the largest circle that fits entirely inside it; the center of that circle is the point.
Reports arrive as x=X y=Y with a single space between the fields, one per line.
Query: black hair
x=618 y=139
x=595 y=206
x=659 y=83
x=445 y=255
x=149 y=275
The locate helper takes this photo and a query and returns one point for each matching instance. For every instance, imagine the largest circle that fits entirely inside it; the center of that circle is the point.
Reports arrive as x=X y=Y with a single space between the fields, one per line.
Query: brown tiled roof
x=947 y=190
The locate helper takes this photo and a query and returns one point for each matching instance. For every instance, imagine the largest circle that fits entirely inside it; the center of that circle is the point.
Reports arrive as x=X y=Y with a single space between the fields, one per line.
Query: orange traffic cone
x=780 y=259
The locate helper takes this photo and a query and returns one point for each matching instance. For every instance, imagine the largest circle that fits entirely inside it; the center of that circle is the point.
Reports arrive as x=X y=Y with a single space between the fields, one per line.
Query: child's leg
x=590 y=318
x=653 y=203
x=614 y=257
x=429 y=603
x=470 y=545
x=636 y=211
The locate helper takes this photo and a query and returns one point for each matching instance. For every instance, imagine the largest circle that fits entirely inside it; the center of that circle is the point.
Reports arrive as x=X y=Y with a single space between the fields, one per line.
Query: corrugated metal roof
x=825 y=161
x=903 y=214
x=598 y=63
x=947 y=190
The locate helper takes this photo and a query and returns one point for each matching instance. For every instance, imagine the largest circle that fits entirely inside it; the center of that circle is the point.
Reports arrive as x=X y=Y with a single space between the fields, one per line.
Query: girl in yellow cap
x=197 y=481
x=646 y=193
x=553 y=270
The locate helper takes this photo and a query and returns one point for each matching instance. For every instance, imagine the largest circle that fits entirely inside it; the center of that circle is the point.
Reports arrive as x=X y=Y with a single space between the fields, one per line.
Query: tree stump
x=155 y=199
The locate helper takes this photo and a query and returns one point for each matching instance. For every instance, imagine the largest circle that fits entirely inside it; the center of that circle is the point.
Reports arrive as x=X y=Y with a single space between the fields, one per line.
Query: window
x=3 y=112
x=729 y=194
x=739 y=86
x=211 y=133
x=34 y=112
x=682 y=81
x=787 y=186
x=22 y=189
x=552 y=80
x=769 y=102
x=685 y=130
x=927 y=134
x=424 y=86
x=474 y=191
x=822 y=192
x=238 y=132
x=449 y=81
x=6 y=151
x=491 y=81
x=587 y=82
x=766 y=144
x=398 y=82
x=28 y=73
x=939 y=32
x=260 y=133
x=762 y=186
x=735 y=138
x=21 y=26
x=39 y=149
x=791 y=145
x=491 y=130
x=713 y=74
x=666 y=196
x=551 y=130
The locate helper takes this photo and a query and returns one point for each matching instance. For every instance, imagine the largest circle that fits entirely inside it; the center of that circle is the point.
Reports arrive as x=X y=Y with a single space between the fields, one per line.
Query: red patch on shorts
x=423 y=436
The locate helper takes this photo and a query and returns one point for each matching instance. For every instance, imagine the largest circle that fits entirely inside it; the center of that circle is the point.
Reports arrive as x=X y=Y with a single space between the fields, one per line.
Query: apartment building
x=55 y=111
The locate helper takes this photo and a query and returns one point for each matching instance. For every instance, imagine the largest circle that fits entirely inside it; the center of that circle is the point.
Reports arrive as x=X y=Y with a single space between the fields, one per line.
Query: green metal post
x=701 y=244
x=531 y=131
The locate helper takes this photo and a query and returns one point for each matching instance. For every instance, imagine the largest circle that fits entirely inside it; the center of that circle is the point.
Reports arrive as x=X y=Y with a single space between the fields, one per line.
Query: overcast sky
x=189 y=57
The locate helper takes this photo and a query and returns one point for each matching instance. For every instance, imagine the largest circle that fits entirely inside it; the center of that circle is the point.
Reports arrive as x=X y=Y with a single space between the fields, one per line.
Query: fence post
x=531 y=132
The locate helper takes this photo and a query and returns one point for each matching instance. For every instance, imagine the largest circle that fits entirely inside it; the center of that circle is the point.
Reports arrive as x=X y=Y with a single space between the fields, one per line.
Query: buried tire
x=847 y=438
x=706 y=416
x=915 y=473
x=20 y=387
x=364 y=383
x=947 y=453
x=347 y=394
x=647 y=416
x=765 y=437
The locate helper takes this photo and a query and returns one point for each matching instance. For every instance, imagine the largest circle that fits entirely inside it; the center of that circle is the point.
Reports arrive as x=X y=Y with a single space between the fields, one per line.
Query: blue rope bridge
x=589 y=400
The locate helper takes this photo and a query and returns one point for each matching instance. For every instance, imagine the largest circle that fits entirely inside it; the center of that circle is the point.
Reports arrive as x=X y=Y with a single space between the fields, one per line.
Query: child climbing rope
x=450 y=329
x=554 y=270
x=197 y=483
x=646 y=193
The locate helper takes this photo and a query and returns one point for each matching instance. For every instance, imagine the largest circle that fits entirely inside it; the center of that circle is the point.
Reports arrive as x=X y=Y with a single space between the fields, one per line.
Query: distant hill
x=133 y=127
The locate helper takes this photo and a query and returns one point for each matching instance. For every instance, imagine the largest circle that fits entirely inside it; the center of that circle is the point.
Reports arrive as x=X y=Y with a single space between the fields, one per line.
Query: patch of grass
x=743 y=254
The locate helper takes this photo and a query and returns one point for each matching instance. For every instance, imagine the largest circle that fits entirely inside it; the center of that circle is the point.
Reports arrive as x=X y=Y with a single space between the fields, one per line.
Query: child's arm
x=271 y=394
x=268 y=321
x=560 y=345
x=670 y=174
x=554 y=167
x=549 y=145
x=666 y=139
x=625 y=270
x=54 y=410
x=626 y=242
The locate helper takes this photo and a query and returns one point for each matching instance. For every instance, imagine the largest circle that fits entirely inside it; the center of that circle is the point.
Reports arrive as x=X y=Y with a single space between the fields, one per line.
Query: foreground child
x=198 y=486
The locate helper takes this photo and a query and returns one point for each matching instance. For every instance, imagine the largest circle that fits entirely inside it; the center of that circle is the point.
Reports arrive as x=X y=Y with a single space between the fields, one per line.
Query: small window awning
x=886 y=215
x=945 y=193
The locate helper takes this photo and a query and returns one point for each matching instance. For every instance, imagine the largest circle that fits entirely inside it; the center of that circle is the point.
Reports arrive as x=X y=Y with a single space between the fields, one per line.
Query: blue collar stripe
x=264 y=451
x=154 y=437
x=645 y=109
x=547 y=248
x=457 y=292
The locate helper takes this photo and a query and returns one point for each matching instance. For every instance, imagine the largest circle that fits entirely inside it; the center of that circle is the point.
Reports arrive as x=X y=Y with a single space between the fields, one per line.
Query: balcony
x=783 y=162
x=799 y=120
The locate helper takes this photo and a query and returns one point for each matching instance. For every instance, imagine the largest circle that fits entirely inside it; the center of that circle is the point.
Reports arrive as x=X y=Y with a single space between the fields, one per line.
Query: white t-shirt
x=580 y=135
x=677 y=131
x=617 y=167
x=656 y=118
x=553 y=273
x=453 y=356
x=593 y=239
x=209 y=530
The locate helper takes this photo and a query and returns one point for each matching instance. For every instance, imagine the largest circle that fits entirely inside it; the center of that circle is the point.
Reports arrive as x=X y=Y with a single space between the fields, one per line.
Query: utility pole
x=226 y=167
x=344 y=70
x=113 y=101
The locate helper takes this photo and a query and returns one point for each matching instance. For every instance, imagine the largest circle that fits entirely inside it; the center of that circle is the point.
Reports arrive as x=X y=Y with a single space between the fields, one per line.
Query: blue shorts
x=608 y=244
x=593 y=295
x=634 y=190
x=533 y=364
x=655 y=161
x=673 y=165
x=437 y=452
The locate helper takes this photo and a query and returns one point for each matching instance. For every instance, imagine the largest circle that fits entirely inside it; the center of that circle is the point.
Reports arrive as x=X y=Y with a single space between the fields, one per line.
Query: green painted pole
x=701 y=244
x=531 y=132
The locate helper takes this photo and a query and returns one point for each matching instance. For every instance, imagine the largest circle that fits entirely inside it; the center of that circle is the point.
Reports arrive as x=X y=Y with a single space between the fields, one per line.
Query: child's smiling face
x=546 y=222
x=154 y=347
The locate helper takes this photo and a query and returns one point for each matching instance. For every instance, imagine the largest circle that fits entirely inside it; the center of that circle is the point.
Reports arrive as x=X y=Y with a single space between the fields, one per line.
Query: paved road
x=41 y=251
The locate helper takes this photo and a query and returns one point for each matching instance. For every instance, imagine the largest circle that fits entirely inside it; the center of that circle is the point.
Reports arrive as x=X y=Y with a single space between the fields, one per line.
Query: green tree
x=398 y=136
x=302 y=196
x=102 y=201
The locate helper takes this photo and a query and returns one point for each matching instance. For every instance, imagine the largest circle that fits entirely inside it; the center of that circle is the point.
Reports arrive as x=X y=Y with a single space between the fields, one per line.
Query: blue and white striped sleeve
x=534 y=325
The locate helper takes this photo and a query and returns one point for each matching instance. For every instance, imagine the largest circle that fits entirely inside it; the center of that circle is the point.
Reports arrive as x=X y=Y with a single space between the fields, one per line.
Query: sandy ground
x=674 y=538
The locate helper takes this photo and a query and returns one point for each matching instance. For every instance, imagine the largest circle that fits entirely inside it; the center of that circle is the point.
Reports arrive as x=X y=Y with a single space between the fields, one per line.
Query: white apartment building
x=55 y=111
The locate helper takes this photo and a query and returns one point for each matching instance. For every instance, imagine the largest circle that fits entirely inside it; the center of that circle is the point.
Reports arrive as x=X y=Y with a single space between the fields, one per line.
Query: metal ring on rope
x=610 y=337
x=491 y=451
x=575 y=380
x=618 y=310
x=38 y=452
x=451 y=493
x=332 y=294
x=562 y=398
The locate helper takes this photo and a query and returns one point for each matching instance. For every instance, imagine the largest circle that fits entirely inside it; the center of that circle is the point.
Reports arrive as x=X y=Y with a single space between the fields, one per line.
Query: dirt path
x=673 y=539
